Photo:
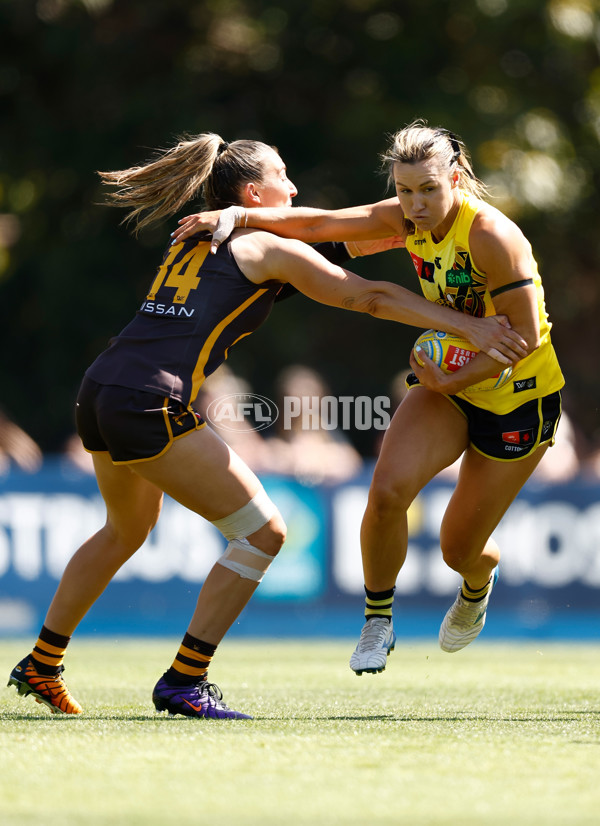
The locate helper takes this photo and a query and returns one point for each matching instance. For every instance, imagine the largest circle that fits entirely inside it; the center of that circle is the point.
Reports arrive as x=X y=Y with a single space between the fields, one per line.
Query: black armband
x=512 y=286
x=334 y=251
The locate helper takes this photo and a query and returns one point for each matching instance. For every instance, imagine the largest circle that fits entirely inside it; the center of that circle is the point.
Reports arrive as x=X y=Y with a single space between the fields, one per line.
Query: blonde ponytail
x=162 y=186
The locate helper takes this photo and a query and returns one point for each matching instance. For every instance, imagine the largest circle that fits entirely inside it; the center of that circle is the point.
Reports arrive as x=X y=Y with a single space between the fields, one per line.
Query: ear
x=455 y=178
x=252 y=195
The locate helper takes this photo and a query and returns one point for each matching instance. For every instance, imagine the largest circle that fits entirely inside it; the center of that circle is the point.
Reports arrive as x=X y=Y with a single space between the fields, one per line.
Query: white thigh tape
x=246 y=560
x=248 y=519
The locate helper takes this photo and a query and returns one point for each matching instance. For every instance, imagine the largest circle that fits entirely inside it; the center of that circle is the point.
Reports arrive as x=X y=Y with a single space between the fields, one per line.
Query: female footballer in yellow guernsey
x=471 y=257
x=134 y=408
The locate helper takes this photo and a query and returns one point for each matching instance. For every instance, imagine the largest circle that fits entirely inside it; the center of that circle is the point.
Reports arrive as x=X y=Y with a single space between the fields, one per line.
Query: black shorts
x=513 y=435
x=132 y=425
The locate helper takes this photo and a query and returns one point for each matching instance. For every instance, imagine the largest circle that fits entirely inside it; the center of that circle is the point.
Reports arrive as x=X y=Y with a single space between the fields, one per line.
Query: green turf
x=496 y=734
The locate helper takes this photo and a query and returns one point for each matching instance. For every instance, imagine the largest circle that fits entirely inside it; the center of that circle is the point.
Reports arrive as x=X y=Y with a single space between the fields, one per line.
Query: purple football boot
x=202 y=699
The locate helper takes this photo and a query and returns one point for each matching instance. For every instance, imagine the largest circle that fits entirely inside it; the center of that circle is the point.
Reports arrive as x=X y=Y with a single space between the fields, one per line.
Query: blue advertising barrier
x=549 y=582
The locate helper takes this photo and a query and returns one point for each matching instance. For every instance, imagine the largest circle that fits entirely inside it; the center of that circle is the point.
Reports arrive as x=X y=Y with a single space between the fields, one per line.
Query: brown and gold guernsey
x=199 y=305
x=448 y=276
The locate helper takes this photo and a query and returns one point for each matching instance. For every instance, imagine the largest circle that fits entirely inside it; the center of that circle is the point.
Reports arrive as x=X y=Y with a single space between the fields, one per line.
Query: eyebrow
x=423 y=183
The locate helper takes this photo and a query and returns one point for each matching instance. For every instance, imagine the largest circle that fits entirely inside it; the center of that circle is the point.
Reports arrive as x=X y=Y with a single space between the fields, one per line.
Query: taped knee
x=244 y=559
x=245 y=521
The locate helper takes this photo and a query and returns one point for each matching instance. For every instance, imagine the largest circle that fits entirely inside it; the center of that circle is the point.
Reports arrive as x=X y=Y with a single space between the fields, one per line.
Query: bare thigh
x=202 y=473
x=426 y=435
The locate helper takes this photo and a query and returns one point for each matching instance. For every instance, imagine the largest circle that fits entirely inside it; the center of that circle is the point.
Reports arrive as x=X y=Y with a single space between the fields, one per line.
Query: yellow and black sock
x=379 y=603
x=475 y=594
x=192 y=661
x=49 y=652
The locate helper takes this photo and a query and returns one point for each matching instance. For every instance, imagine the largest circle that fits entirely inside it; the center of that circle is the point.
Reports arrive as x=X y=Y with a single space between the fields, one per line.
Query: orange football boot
x=51 y=690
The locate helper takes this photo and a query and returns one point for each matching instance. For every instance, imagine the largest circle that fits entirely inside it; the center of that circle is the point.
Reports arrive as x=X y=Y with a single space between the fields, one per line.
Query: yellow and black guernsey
x=199 y=305
x=448 y=276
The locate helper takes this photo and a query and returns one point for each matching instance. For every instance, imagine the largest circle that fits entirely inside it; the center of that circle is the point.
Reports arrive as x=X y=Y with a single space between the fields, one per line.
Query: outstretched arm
x=360 y=223
x=264 y=257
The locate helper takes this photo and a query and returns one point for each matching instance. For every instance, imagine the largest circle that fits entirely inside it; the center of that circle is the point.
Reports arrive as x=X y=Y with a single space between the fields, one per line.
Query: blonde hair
x=201 y=164
x=419 y=142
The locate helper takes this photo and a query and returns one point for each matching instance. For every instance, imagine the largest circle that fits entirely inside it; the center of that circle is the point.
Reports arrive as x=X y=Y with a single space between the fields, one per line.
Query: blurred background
x=98 y=84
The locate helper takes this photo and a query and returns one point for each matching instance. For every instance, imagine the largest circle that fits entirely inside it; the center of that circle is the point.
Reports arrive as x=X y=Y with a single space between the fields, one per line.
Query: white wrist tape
x=244 y=559
x=230 y=218
x=245 y=521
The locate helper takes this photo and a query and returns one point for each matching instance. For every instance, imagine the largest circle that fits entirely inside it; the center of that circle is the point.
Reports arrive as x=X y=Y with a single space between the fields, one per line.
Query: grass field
x=501 y=734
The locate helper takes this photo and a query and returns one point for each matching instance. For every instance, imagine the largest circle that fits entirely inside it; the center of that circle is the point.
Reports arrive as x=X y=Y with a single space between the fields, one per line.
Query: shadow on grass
x=6 y=716
x=563 y=717
x=154 y=717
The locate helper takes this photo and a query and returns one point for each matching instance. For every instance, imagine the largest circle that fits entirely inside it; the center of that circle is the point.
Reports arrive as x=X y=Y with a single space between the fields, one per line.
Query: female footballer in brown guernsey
x=471 y=257
x=134 y=411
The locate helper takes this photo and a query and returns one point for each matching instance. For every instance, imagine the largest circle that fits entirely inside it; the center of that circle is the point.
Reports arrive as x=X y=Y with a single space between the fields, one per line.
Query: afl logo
x=242 y=412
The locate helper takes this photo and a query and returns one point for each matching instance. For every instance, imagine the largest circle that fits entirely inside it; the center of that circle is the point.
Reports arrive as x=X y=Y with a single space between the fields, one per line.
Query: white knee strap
x=248 y=519
x=246 y=560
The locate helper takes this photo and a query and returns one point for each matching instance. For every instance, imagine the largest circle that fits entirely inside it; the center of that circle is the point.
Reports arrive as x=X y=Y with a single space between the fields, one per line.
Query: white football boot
x=377 y=640
x=464 y=620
